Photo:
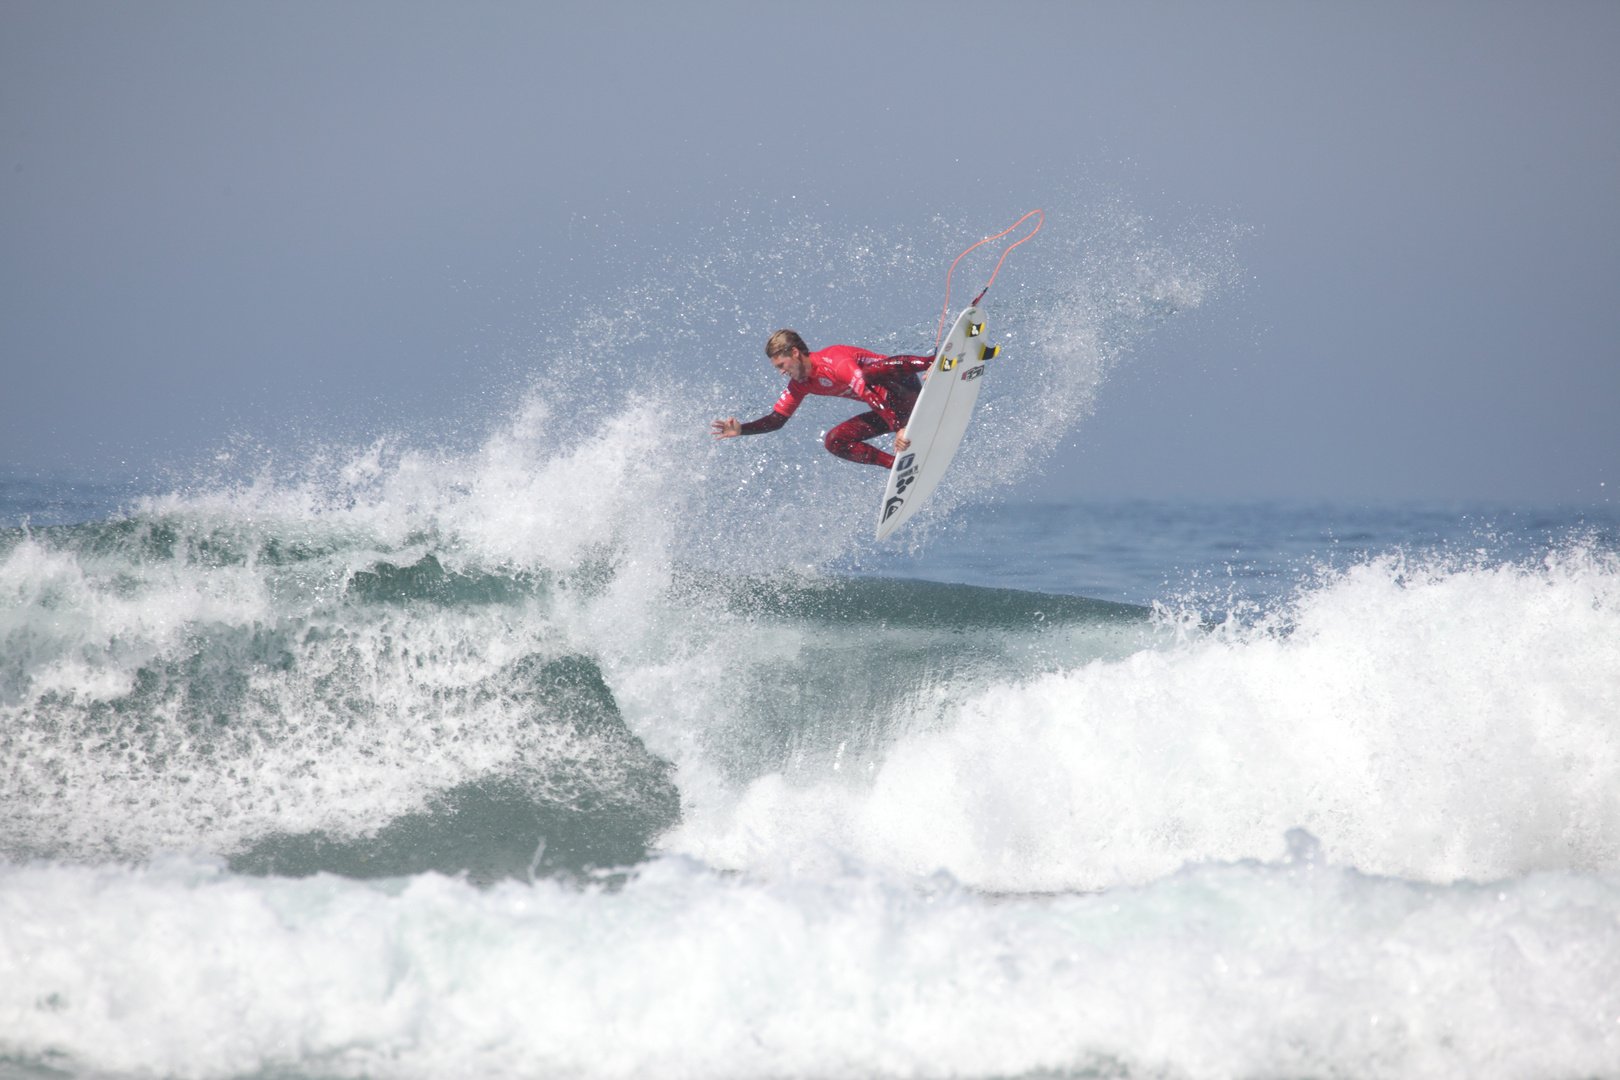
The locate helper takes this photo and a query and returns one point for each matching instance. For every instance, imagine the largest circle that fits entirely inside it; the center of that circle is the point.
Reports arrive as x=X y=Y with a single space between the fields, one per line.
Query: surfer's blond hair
x=785 y=341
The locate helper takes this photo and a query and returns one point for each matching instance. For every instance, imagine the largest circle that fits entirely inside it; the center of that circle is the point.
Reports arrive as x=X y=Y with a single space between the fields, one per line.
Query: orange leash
x=1041 y=220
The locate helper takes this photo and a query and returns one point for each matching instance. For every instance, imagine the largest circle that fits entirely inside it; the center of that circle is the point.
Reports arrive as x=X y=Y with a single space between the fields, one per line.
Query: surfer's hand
x=728 y=428
x=901 y=443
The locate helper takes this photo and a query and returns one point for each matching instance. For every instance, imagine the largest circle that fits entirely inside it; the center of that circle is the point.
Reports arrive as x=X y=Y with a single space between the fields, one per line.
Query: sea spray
x=343 y=644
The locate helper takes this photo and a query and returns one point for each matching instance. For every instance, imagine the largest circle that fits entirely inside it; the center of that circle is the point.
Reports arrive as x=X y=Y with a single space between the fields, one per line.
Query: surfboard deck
x=938 y=421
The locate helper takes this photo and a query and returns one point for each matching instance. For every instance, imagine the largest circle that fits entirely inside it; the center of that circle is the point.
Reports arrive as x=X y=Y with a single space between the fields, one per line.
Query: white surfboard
x=938 y=421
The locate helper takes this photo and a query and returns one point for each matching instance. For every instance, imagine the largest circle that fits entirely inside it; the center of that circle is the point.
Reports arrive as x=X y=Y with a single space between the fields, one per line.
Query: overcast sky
x=228 y=220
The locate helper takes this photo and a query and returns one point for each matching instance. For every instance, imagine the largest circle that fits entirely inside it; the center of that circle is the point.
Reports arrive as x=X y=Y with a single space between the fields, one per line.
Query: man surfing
x=889 y=384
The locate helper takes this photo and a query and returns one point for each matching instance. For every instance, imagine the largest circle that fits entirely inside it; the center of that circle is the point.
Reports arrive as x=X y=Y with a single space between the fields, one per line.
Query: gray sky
x=276 y=219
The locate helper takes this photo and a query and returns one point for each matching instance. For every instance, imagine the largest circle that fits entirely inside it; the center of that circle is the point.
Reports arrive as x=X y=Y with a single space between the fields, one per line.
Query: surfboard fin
x=988 y=351
x=975 y=329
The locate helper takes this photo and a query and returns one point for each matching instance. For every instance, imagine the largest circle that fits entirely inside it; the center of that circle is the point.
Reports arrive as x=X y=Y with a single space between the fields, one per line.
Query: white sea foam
x=1427 y=722
x=1239 y=970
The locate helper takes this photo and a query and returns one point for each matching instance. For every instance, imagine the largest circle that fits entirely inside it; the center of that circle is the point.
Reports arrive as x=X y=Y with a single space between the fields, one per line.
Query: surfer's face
x=794 y=364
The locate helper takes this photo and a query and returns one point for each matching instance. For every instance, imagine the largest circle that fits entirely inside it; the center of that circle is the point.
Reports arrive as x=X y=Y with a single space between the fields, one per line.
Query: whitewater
x=597 y=748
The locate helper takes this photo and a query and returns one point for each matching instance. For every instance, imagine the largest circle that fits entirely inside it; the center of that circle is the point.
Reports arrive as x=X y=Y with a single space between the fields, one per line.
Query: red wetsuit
x=887 y=383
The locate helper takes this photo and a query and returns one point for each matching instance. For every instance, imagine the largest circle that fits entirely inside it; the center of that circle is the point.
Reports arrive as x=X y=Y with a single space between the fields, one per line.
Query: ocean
x=595 y=748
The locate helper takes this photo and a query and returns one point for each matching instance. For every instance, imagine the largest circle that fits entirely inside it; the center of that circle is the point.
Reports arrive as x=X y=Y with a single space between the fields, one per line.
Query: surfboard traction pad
x=938 y=421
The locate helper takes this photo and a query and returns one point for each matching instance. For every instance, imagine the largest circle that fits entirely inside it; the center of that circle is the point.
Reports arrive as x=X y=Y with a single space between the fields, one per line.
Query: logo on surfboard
x=895 y=502
x=972 y=373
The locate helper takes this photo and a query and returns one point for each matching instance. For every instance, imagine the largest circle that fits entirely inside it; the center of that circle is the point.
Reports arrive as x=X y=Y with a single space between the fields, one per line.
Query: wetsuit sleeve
x=877 y=386
x=784 y=408
x=879 y=366
x=769 y=422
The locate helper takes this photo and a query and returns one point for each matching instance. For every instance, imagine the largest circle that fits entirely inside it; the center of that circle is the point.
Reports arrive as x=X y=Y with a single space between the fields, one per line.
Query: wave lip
x=907 y=602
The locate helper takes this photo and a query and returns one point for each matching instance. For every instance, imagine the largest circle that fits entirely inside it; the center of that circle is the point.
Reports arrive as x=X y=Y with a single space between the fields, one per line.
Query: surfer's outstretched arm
x=729 y=428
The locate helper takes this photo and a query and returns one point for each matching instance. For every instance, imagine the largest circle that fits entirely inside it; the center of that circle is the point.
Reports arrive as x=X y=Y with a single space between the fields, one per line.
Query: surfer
x=889 y=384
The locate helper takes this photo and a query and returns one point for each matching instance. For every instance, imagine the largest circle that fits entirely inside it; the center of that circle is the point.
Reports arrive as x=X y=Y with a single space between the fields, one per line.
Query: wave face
x=304 y=697
x=596 y=749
